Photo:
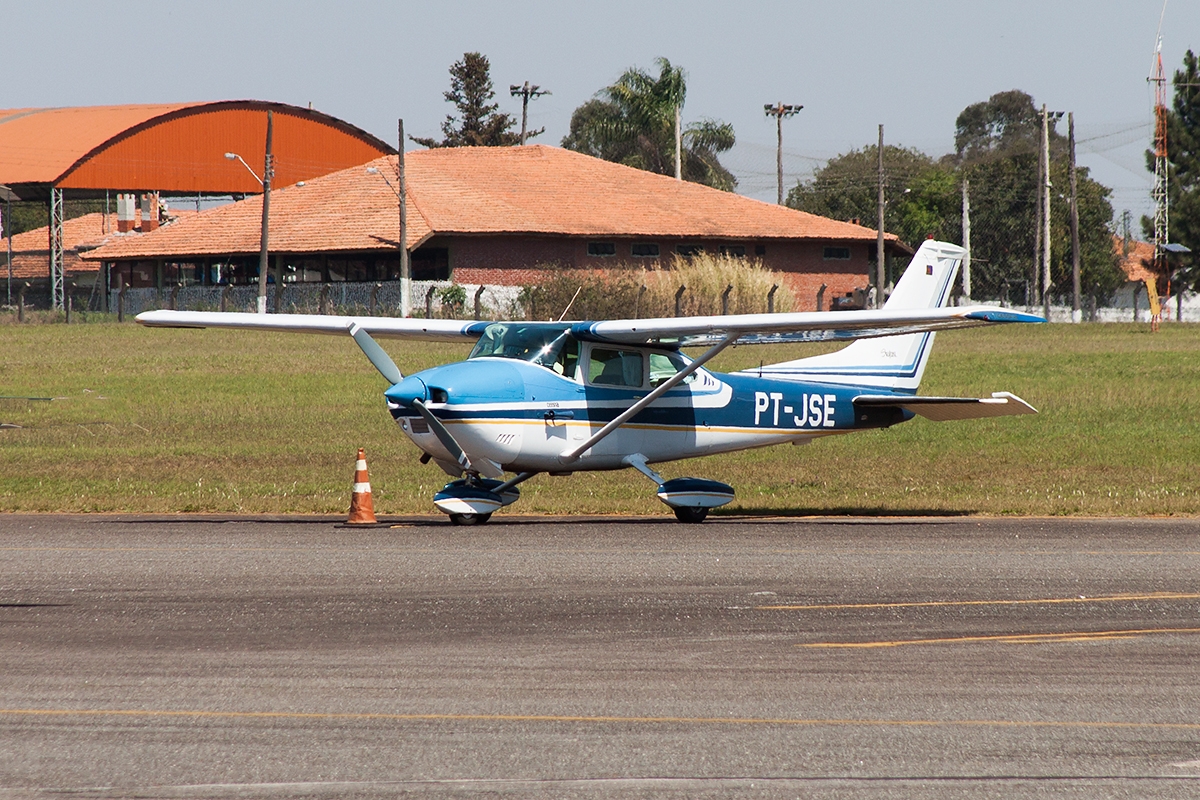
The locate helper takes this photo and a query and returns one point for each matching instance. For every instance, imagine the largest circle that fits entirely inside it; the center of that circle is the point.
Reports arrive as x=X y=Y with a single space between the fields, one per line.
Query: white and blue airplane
x=563 y=397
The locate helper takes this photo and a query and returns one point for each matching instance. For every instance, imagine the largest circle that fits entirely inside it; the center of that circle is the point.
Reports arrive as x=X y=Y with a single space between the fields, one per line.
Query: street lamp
x=236 y=157
x=265 y=182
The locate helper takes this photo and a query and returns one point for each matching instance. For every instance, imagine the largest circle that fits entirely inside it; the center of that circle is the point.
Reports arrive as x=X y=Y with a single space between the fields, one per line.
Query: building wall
x=516 y=260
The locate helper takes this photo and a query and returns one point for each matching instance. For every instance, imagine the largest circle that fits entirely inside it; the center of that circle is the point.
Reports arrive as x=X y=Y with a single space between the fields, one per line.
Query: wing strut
x=567 y=456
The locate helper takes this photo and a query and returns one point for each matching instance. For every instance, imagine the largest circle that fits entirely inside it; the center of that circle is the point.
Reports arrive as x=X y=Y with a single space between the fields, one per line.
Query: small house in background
x=498 y=216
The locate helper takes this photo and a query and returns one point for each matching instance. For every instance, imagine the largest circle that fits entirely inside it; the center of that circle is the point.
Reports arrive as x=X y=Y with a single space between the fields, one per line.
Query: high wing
x=806 y=326
x=430 y=330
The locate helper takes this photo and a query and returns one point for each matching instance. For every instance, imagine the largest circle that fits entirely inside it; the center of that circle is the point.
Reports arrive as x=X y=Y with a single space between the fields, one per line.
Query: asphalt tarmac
x=827 y=658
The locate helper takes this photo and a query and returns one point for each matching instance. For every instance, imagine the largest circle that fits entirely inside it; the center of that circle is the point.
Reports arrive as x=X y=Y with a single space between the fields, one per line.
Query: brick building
x=494 y=216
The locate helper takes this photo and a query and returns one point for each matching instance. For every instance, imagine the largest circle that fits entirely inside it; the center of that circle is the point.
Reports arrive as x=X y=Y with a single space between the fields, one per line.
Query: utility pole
x=524 y=91
x=966 y=240
x=1037 y=238
x=678 y=143
x=405 y=268
x=1046 y=212
x=880 y=270
x=779 y=111
x=268 y=171
x=8 y=236
x=1076 y=308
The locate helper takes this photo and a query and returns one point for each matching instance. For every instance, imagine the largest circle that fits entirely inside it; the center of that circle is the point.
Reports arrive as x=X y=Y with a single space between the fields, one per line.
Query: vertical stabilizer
x=887 y=362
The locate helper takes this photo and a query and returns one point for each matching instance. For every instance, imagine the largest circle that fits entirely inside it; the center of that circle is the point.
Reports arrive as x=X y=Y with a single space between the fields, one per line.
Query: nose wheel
x=689 y=515
x=469 y=519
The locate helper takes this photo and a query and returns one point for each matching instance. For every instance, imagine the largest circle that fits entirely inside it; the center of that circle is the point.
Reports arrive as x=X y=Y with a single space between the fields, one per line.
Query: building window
x=760 y=249
x=430 y=264
x=644 y=250
x=601 y=249
x=734 y=250
x=689 y=250
x=837 y=254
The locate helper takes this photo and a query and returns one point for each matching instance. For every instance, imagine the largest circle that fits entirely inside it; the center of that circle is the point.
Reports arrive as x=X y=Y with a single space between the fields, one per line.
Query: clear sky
x=853 y=64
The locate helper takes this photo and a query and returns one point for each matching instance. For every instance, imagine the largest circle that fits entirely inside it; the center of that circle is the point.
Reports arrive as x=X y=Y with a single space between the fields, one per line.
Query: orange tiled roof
x=37 y=145
x=31 y=249
x=1136 y=265
x=537 y=189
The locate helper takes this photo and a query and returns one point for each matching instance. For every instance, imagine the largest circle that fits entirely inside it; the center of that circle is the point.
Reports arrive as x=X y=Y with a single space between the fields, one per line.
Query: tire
x=469 y=519
x=691 y=515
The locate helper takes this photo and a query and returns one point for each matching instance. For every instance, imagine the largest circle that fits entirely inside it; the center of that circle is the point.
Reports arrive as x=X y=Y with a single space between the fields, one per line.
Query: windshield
x=547 y=344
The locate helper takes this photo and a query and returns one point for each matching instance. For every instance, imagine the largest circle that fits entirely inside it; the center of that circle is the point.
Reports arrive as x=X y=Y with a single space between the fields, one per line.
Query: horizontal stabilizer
x=940 y=409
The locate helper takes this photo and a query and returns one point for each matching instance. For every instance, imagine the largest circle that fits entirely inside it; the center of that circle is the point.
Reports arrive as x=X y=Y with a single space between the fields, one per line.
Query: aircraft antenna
x=568 y=308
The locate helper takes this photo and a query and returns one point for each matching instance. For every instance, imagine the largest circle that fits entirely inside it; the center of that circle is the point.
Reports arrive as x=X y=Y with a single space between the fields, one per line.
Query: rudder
x=887 y=362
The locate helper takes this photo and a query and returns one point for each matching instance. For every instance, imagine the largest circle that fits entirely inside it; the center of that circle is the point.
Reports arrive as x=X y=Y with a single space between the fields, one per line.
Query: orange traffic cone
x=362 y=510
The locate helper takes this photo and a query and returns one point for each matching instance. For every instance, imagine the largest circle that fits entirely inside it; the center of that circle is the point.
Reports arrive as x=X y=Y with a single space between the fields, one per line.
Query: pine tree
x=479 y=122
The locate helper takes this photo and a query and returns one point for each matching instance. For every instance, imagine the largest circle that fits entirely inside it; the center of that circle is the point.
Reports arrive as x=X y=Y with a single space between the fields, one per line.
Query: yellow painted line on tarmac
x=578 y=718
x=1017 y=638
x=1108 y=598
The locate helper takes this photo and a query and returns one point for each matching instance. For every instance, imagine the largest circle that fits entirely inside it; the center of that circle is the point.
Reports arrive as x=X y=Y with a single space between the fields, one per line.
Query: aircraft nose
x=406 y=391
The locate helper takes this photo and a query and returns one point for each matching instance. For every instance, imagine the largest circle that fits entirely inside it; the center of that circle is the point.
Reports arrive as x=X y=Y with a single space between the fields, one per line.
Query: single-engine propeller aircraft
x=562 y=397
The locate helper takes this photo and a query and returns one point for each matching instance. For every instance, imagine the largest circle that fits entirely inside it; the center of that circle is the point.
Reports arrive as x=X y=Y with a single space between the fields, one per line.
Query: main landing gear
x=689 y=498
x=472 y=500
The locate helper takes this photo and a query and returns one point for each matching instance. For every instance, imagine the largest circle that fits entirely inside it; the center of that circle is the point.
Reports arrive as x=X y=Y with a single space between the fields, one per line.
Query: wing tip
x=1002 y=315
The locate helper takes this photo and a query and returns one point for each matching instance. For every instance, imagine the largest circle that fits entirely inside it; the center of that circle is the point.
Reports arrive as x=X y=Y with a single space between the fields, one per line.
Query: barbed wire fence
x=430 y=298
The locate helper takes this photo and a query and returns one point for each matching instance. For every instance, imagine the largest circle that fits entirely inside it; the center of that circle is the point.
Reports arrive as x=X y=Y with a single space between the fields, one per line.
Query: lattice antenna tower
x=1159 y=193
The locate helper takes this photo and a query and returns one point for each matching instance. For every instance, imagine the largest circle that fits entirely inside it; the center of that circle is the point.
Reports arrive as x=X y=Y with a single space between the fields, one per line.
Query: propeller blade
x=377 y=355
x=444 y=436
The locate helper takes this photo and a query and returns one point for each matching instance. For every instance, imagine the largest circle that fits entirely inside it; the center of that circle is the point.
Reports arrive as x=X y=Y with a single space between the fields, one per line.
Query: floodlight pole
x=263 y=259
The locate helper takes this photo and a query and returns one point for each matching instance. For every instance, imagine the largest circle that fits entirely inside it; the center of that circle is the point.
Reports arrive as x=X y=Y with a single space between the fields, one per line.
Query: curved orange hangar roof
x=173 y=148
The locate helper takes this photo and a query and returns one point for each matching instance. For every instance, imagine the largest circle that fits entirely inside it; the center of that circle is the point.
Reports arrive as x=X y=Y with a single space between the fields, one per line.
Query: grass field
x=235 y=421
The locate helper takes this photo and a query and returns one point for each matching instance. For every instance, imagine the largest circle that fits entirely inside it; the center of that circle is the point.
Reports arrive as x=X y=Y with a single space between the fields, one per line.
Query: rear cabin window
x=615 y=367
x=664 y=366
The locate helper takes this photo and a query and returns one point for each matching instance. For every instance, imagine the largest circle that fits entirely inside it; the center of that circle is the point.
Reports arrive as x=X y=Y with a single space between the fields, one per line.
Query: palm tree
x=636 y=122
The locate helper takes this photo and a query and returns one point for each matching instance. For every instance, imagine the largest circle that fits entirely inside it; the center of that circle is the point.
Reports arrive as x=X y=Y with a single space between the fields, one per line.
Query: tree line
x=997 y=149
x=634 y=122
